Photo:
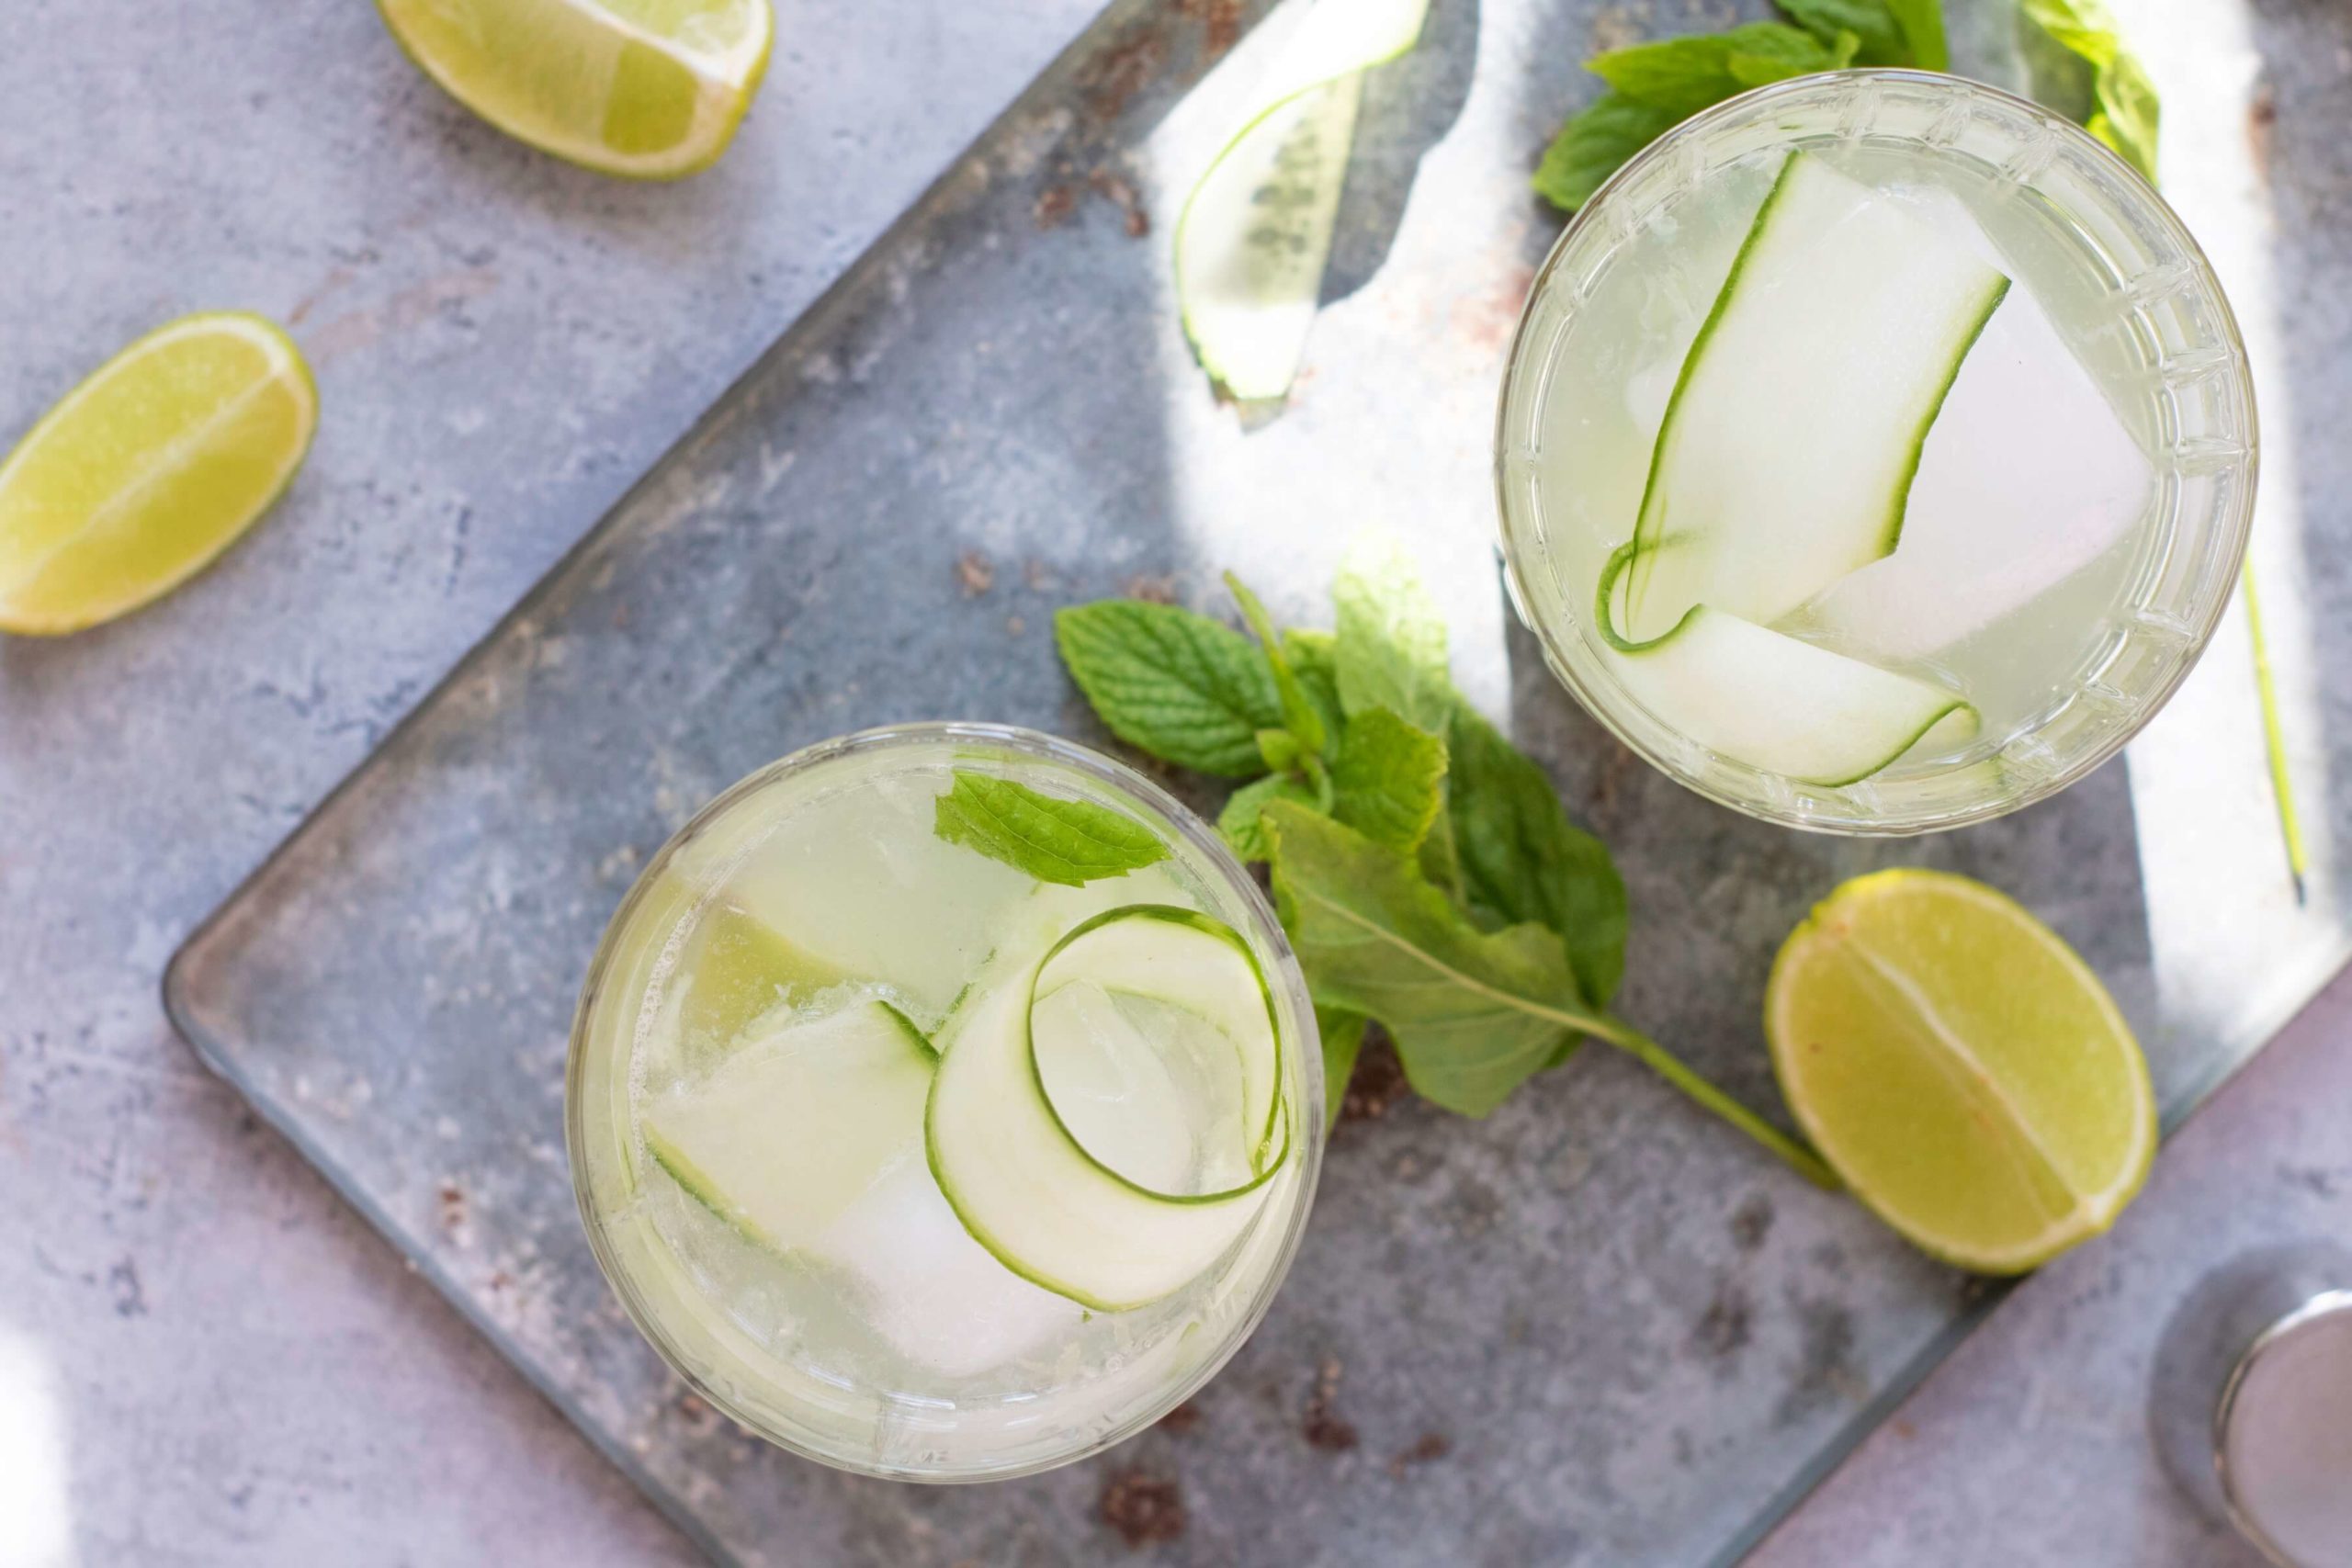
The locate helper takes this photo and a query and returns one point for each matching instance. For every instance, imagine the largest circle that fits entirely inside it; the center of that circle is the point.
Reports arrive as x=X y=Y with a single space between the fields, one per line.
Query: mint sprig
x=1683 y=76
x=1655 y=87
x=1070 y=842
x=1426 y=872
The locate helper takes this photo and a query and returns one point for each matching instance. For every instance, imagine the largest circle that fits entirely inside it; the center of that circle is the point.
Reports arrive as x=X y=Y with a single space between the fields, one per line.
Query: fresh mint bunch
x=2075 y=55
x=1424 y=868
x=1655 y=87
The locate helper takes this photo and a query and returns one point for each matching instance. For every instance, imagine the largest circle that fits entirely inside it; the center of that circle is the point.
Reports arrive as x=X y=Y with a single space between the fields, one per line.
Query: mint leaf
x=2123 y=109
x=1342 y=1035
x=1922 y=22
x=1683 y=76
x=1313 y=659
x=1187 y=689
x=1389 y=648
x=1388 y=782
x=1068 y=841
x=1280 y=749
x=1878 y=36
x=1237 y=823
x=1521 y=860
x=1788 y=52
x=1473 y=1013
x=1593 y=144
x=1298 y=714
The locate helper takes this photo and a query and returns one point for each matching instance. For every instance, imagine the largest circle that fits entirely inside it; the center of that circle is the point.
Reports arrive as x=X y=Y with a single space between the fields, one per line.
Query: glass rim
x=1283 y=974
x=2202 y=625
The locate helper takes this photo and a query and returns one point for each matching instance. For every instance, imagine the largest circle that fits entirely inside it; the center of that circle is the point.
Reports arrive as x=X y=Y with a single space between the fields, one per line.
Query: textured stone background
x=239 y=1372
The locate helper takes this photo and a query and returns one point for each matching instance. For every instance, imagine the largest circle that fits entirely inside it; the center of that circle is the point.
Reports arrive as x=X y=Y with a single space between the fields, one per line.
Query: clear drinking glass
x=2117 y=273
x=751 y=1345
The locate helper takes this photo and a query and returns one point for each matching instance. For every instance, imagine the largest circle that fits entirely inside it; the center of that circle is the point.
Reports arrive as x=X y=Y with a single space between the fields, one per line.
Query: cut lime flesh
x=1961 y=1067
x=645 y=89
x=148 y=469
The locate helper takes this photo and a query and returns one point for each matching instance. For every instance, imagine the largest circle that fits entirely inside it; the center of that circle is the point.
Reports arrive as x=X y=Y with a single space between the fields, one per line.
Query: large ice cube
x=935 y=1294
x=1148 y=1088
x=859 y=880
x=2028 y=476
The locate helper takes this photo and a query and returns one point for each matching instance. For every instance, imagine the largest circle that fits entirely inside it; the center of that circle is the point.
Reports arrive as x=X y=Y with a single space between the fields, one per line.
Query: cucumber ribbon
x=1255 y=232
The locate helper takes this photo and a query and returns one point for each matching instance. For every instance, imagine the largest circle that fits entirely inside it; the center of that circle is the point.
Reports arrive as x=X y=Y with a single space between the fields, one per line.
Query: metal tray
x=1595 y=1327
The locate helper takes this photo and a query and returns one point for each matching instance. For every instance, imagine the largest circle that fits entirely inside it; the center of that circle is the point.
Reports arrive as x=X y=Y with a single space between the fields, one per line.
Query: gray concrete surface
x=234 y=1369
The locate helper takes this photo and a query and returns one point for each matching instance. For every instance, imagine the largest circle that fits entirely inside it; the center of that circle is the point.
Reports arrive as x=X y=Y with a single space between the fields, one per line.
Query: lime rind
x=282 y=370
x=2038 y=1153
x=496 y=88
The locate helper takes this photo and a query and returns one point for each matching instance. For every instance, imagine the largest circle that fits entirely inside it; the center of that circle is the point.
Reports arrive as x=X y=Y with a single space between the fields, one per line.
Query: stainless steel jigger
x=2250 y=1405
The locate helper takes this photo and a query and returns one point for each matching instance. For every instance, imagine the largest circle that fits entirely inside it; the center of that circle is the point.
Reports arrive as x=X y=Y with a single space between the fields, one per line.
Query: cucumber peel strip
x=1750 y=707
x=1255 y=231
x=1843 y=423
x=1025 y=1188
x=1911 y=306
x=1131 y=971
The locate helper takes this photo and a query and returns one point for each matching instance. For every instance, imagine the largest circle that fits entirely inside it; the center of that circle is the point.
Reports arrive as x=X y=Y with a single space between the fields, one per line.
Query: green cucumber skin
x=1204 y=351
x=699 y=1187
x=914 y=1031
x=980 y=1231
x=1630 y=563
x=1176 y=914
x=1649 y=520
x=1715 y=313
x=1900 y=506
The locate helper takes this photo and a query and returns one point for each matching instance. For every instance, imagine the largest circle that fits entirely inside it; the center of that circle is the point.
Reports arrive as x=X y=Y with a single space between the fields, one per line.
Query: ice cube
x=1149 y=1089
x=2028 y=476
x=935 y=1295
x=860 y=881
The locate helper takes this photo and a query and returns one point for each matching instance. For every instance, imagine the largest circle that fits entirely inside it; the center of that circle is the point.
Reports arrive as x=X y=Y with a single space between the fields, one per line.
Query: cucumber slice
x=1787 y=706
x=1149 y=1090
x=2030 y=476
x=1797 y=422
x=1255 y=232
x=1193 y=965
x=1020 y=1181
x=794 y=1127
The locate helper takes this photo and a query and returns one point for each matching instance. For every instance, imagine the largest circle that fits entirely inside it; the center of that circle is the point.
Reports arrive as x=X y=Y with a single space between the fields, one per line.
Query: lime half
x=648 y=89
x=1962 y=1067
x=148 y=469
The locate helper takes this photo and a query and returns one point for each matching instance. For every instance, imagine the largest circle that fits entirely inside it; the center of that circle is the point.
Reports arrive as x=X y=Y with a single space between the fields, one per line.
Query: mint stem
x=2283 y=783
x=1662 y=1062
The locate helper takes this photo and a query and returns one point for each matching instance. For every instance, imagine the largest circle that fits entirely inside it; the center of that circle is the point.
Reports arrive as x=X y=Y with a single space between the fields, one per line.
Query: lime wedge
x=647 y=89
x=734 y=970
x=148 y=469
x=1961 y=1067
